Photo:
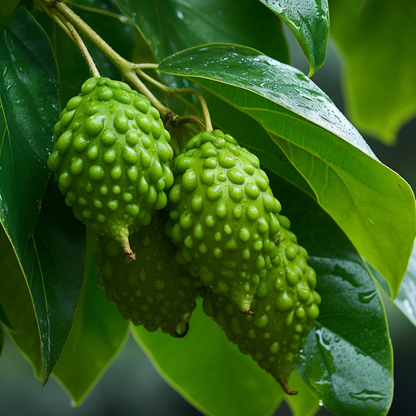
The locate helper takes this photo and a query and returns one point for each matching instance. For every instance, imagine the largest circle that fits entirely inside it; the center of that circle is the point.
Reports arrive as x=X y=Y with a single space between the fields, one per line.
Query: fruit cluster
x=205 y=224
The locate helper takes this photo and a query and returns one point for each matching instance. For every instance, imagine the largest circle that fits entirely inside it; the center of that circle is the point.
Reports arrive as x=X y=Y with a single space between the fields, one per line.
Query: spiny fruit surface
x=223 y=216
x=154 y=290
x=111 y=158
x=285 y=308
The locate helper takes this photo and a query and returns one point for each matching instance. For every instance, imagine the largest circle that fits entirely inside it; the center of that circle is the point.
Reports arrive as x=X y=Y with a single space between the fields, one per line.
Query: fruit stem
x=168 y=90
x=191 y=118
x=205 y=111
x=124 y=67
x=144 y=66
x=78 y=41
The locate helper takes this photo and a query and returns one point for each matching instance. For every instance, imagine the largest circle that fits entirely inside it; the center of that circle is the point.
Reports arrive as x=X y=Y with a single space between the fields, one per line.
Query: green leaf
x=406 y=299
x=373 y=205
x=7 y=6
x=377 y=44
x=173 y=25
x=309 y=22
x=304 y=403
x=53 y=266
x=73 y=69
x=209 y=371
x=97 y=336
x=107 y=7
x=347 y=361
x=17 y=306
x=28 y=109
x=3 y=317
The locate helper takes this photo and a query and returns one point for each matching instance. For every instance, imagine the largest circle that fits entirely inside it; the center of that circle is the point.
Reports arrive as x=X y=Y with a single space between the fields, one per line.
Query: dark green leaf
x=98 y=6
x=406 y=299
x=3 y=317
x=373 y=205
x=173 y=25
x=29 y=107
x=377 y=42
x=97 y=336
x=209 y=371
x=309 y=22
x=7 y=6
x=17 y=306
x=347 y=359
x=73 y=69
x=304 y=403
x=28 y=110
x=53 y=266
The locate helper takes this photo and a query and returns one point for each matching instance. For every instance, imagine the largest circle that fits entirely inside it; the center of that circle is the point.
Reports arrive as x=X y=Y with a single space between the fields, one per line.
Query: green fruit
x=285 y=308
x=223 y=216
x=111 y=158
x=153 y=291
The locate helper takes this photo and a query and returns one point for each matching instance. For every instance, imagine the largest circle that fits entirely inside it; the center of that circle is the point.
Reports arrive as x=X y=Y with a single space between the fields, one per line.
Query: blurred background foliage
x=132 y=386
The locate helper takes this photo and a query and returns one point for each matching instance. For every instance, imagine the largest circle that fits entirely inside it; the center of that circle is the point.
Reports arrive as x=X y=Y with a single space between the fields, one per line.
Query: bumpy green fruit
x=153 y=291
x=111 y=158
x=285 y=308
x=223 y=216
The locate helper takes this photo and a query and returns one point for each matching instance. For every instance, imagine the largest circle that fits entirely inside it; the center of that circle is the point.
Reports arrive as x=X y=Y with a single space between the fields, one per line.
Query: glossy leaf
x=28 y=104
x=17 y=306
x=209 y=371
x=73 y=69
x=377 y=43
x=373 y=205
x=28 y=110
x=309 y=22
x=406 y=299
x=97 y=336
x=347 y=360
x=173 y=25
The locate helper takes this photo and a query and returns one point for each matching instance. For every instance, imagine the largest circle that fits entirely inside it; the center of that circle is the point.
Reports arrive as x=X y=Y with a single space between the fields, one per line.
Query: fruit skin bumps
x=111 y=158
x=154 y=290
x=285 y=308
x=223 y=216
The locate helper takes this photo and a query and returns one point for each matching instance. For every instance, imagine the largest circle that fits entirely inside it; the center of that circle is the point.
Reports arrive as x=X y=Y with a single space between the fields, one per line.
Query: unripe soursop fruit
x=223 y=216
x=154 y=290
x=285 y=308
x=111 y=158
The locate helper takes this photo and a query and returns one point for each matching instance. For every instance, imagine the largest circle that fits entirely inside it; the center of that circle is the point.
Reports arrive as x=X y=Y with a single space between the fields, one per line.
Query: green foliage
x=355 y=216
x=98 y=334
x=324 y=147
x=309 y=22
x=375 y=39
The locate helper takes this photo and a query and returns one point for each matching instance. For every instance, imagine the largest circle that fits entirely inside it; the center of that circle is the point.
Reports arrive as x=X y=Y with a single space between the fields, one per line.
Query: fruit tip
x=288 y=391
